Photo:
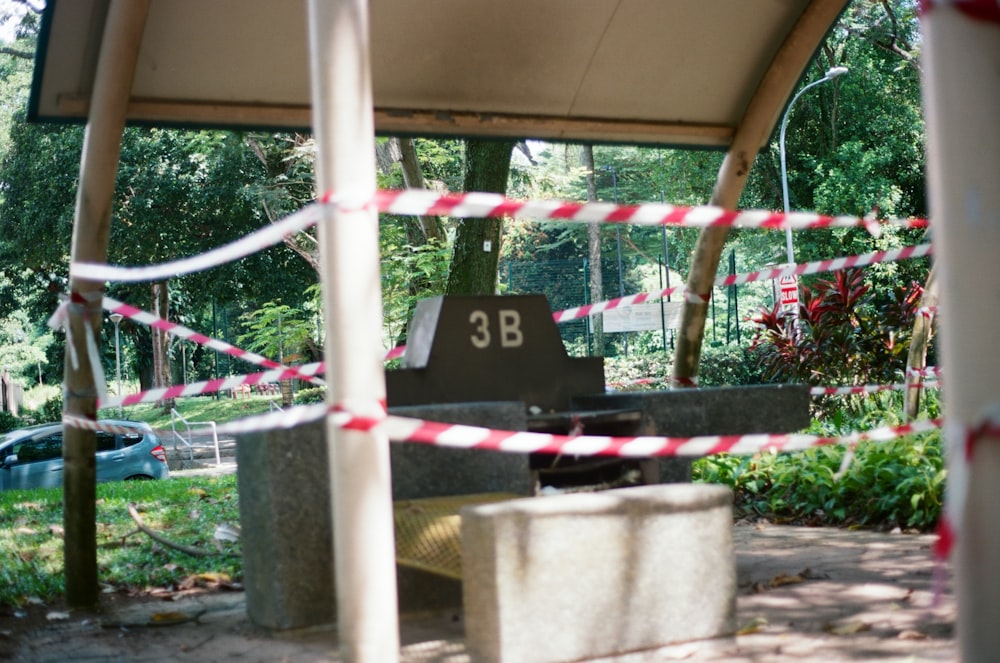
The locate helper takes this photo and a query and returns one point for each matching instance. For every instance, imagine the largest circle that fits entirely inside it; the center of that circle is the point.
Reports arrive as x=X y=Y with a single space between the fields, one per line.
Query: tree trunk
x=430 y=226
x=477 y=241
x=701 y=281
x=161 y=359
x=920 y=340
x=594 y=253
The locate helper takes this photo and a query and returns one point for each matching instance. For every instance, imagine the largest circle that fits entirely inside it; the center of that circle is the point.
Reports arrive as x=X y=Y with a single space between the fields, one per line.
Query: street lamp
x=830 y=75
x=117 y=318
x=618 y=240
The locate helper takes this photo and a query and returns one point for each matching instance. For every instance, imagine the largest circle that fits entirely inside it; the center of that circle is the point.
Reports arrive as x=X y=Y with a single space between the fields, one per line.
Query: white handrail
x=175 y=415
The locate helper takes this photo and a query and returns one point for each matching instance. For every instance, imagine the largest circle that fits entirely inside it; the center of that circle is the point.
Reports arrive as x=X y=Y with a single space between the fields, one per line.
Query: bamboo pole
x=962 y=104
x=98 y=169
x=343 y=123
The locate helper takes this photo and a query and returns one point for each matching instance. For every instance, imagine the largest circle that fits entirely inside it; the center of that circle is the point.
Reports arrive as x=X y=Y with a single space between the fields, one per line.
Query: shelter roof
x=639 y=71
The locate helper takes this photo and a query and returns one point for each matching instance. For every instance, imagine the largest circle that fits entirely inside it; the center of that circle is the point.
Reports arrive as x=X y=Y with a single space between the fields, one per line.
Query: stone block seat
x=596 y=575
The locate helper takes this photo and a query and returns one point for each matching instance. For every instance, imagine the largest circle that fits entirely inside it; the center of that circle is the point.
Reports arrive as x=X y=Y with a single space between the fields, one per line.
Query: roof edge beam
x=421 y=122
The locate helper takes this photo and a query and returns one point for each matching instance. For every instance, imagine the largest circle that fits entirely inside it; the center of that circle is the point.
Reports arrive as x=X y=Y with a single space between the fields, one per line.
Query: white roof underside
x=658 y=71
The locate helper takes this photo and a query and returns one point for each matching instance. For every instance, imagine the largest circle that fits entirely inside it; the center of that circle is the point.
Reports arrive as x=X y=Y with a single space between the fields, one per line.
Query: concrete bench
x=588 y=575
x=284 y=487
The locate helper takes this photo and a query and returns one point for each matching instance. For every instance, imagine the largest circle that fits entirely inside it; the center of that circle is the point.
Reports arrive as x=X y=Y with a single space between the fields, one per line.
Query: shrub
x=8 y=422
x=623 y=373
x=885 y=485
x=728 y=365
x=310 y=395
x=51 y=410
x=841 y=337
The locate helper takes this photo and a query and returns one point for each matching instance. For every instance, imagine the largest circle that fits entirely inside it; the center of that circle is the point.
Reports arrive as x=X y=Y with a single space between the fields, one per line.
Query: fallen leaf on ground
x=809 y=574
x=912 y=635
x=167 y=618
x=755 y=625
x=849 y=628
x=207 y=580
x=782 y=579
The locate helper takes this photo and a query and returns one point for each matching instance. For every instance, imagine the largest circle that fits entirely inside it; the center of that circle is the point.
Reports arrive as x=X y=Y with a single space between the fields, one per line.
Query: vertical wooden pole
x=343 y=123
x=755 y=127
x=98 y=169
x=962 y=107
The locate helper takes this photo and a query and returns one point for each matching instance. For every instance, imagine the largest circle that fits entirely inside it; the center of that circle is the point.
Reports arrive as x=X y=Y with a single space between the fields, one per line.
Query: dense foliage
x=854 y=146
x=884 y=485
x=840 y=335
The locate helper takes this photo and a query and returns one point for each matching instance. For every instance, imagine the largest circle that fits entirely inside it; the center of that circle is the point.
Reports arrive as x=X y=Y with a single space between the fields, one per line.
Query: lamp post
x=117 y=318
x=618 y=240
x=832 y=73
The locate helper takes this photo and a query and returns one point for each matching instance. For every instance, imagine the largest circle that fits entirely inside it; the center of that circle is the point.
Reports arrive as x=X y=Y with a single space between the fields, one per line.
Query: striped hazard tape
x=405 y=429
x=421 y=202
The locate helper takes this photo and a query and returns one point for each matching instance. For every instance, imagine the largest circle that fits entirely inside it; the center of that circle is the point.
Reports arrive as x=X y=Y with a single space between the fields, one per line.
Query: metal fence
x=566 y=283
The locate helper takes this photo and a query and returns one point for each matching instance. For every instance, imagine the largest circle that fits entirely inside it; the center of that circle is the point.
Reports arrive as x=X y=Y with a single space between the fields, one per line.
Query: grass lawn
x=185 y=510
x=195 y=408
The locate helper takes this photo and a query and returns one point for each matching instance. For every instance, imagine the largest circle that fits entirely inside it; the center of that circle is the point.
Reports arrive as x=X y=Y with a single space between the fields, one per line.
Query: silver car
x=32 y=457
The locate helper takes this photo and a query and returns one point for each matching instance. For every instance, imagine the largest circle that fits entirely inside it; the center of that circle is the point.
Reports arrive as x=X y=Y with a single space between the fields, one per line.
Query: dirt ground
x=805 y=594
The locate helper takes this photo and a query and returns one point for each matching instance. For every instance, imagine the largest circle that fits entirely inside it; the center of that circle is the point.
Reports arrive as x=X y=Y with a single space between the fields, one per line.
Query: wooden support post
x=757 y=124
x=98 y=169
x=962 y=104
x=343 y=123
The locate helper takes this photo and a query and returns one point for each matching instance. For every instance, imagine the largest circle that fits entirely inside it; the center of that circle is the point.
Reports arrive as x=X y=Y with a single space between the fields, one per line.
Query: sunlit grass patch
x=184 y=510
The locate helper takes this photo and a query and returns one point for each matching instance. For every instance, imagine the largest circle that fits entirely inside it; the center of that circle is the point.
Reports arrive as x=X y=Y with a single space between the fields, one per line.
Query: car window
x=128 y=439
x=36 y=450
x=106 y=441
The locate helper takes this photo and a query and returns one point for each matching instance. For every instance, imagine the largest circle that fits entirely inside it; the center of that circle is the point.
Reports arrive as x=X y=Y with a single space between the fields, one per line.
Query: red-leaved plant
x=842 y=337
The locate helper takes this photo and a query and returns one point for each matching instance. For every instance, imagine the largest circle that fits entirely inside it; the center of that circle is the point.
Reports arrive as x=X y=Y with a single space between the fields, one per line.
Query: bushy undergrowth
x=720 y=365
x=50 y=410
x=310 y=395
x=884 y=485
x=185 y=510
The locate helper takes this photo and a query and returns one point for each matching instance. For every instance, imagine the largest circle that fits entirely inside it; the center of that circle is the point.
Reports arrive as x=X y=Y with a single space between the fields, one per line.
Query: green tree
x=477 y=241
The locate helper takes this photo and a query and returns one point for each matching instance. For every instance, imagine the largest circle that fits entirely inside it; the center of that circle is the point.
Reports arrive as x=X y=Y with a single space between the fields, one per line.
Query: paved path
x=804 y=595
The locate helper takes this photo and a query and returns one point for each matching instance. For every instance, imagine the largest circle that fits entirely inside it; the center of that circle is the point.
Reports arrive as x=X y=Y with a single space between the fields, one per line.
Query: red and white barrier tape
x=813 y=391
x=395 y=353
x=402 y=429
x=868 y=389
x=76 y=421
x=926 y=372
x=960 y=446
x=86 y=305
x=212 y=386
x=252 y=243
x=233 y=382
x=419 y=202
x=862 y=260
x=140 y=316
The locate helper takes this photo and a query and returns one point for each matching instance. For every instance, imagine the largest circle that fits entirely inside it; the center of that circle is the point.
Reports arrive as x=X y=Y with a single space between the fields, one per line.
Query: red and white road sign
x=789 y=287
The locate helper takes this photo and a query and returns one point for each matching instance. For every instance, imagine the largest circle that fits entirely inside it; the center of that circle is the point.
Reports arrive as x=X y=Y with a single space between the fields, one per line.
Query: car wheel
x=139 y=477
